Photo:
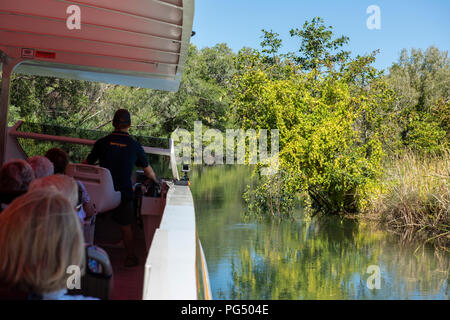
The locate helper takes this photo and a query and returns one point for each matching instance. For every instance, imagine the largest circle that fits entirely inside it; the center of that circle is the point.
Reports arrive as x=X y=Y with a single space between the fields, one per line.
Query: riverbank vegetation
x=414 y=198
x=353 y=139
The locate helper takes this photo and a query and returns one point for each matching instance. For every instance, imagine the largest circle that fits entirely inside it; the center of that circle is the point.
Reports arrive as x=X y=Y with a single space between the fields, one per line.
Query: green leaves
x=203 y=96
x=336 y=124
x=330 y=146
x=421 y=82
x=320 y=138
x=317 y=47
x=271 y=44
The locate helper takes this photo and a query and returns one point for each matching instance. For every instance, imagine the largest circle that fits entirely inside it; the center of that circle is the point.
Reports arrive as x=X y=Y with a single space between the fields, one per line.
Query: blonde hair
x=59 y=182
x=40 y=236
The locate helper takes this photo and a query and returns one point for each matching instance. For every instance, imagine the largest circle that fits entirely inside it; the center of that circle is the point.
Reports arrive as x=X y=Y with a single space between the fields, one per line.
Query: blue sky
x=404 y=24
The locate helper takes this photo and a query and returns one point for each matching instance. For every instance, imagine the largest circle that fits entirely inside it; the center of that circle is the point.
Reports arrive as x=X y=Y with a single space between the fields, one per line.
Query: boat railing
x=82 y=137
x=171 y=271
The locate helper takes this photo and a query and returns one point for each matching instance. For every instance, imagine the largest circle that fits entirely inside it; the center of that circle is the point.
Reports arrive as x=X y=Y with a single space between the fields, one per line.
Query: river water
x=304 y=258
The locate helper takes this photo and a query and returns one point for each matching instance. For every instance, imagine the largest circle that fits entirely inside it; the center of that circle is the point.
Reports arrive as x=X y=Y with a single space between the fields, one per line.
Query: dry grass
x=415 y=199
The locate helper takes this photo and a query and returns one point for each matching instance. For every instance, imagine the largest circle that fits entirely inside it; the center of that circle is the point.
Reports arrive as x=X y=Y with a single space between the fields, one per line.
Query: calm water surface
x=304 y=258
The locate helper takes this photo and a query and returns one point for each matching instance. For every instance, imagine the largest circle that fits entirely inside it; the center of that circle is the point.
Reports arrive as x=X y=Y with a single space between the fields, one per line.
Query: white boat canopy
x=141 y=43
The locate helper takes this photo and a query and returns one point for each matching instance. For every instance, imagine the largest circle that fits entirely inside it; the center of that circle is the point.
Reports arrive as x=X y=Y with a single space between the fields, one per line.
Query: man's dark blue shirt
x=118 y=152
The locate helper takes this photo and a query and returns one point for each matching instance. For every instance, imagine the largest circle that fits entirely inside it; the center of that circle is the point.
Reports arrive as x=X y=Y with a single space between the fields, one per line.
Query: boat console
x=150 y=201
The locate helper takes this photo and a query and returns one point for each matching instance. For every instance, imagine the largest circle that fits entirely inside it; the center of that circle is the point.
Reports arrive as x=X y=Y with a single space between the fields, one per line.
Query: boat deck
x=127 y=282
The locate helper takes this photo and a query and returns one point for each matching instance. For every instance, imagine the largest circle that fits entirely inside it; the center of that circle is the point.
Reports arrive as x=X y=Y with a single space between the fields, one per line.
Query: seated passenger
x=41 y=238
x=60 y=160
x=42 y=167
x=15 y=176
x=86 y=211
x=72 y=191
x=58 y=182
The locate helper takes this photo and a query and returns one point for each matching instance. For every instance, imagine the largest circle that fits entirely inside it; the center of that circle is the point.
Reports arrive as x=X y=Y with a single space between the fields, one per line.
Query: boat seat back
x=99 y=184
x=97 y=280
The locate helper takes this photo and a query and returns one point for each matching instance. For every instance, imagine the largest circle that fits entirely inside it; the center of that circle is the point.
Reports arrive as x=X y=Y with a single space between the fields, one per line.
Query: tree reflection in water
x=320 y=258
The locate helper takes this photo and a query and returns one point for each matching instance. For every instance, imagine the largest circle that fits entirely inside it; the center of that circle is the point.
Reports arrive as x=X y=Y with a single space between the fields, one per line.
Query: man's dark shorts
x=124 y=213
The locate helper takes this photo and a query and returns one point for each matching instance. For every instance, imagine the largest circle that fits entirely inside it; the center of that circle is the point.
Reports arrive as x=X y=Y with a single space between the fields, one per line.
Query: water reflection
x=323 y=258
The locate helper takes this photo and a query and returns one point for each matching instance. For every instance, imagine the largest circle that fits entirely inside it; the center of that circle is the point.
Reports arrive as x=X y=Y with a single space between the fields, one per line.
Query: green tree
x=318 y=48
x=202 y=96
x=330 y=126
x=52 y=100
x=271 y=44
x=421 y=81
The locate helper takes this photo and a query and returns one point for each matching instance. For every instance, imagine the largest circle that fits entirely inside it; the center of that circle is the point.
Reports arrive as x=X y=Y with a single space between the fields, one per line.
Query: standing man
x=118 y=152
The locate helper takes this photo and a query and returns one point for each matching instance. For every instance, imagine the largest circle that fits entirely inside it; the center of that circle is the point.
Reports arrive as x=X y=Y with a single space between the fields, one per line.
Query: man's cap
x=122 y=116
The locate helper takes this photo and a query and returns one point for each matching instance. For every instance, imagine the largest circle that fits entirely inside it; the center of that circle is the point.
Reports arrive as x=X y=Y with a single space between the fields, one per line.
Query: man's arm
x=142 y=162
x=149 y=173
x=93 y=155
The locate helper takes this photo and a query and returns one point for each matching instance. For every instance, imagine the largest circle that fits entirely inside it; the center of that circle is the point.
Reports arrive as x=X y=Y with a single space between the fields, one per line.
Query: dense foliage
x=422 y=82
x=340 y=120
x=202 y=96
x=329 y=115
x=343 y=125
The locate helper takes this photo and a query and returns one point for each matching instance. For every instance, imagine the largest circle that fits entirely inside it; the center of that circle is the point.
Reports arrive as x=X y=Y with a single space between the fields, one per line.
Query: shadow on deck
x=127 y=282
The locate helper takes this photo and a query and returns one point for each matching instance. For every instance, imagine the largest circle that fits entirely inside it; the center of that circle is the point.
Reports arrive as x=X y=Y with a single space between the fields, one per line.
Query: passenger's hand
x=90 y=209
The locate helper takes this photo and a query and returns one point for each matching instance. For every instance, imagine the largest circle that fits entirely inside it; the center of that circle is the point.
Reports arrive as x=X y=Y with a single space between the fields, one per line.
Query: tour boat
x=139 y=43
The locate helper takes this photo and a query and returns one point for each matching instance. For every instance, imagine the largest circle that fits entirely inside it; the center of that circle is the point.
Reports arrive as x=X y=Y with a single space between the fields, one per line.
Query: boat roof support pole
x=8 y=65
